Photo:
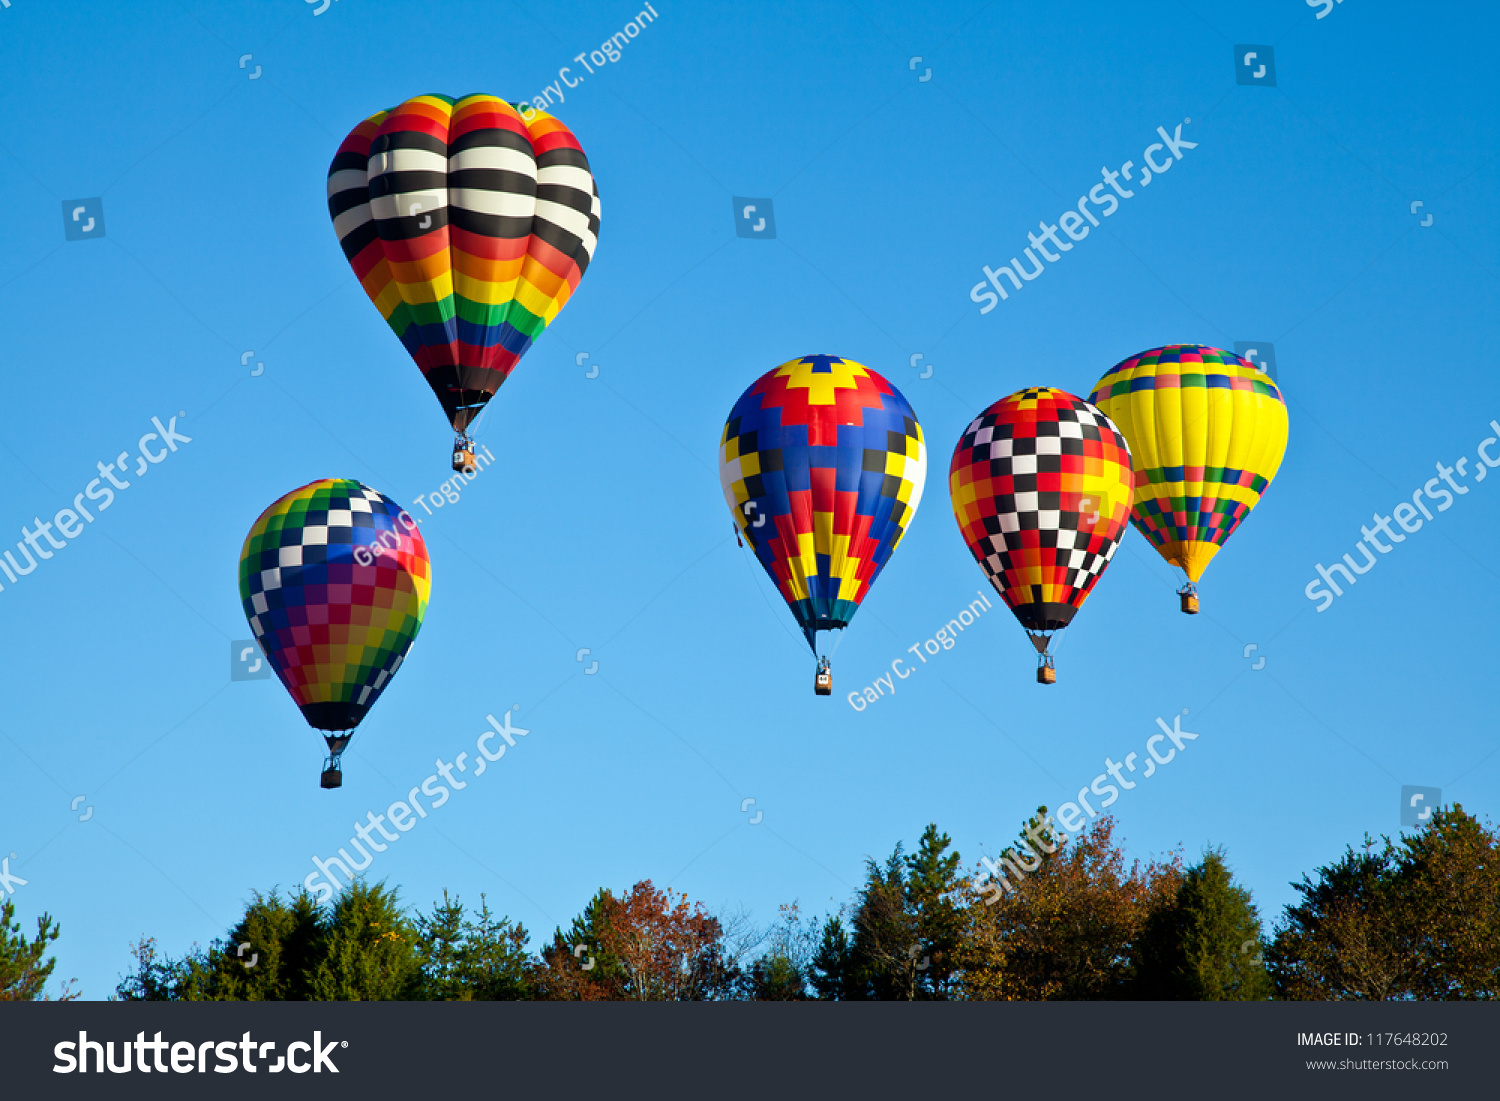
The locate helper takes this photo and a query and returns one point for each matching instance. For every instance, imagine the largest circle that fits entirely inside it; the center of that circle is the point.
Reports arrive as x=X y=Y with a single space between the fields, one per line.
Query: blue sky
x=601 y=524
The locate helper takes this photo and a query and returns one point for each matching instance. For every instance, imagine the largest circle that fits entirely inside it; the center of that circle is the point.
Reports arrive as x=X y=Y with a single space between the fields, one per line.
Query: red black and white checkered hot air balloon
x=1041 y=486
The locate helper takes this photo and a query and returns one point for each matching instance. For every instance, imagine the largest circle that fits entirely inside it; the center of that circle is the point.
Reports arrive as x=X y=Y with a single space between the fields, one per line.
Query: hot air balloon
x=334 y=580
x=1208 y=432
x=469 y=227
x=822 y=463
x=1041 y=489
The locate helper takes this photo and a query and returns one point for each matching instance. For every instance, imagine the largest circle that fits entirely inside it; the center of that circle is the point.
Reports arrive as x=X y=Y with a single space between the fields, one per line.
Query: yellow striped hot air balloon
x=1207 y=431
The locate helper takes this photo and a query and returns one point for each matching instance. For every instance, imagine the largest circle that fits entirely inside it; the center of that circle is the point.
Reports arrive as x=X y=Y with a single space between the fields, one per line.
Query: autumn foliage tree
x=1068 y=929
x=649 y=945
x=1414 y=919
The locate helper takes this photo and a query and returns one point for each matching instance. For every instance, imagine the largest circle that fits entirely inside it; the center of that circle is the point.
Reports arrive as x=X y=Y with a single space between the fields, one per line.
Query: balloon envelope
x=469 y=227
x=1208 y=431
x=1041 y=489
x=822 y=463
x=334 y=580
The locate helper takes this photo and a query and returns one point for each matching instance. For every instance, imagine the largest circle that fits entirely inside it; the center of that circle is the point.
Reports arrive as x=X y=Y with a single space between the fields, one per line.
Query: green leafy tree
x=156 y=978
x=1205 y=944
x=270 y=955
x=463 y=959
x=782 y=972
x=369 y=951
x=23 y=970
x=934 y=898
x=831 y=971
x=885 y=957
x=1418 y=919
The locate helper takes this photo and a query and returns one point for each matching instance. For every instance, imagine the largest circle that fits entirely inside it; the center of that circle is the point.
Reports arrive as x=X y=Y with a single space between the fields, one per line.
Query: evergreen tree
x=885 y=956
x=783 y=971
x=470 y=960
x=1205 y=943
x=832 y=970
x=23 y=971
x=369 y=951
x=933 y=898
x=269 y=956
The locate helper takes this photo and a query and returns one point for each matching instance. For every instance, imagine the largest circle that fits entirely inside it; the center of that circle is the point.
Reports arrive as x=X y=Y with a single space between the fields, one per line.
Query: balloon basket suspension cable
x=1046 y=671
x=333 y=776
x=823 y=679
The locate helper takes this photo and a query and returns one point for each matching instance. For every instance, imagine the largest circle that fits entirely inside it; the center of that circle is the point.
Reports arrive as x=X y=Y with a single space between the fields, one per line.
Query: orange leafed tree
x=1067 y=929
x=649 y=945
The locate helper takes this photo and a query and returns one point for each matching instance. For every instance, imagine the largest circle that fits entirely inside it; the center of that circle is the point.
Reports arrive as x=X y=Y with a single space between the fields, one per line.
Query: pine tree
x=933 y=898
x=23 y=971
x=370 y=950
x=832 y=971
x=884 y=960
x=1205 y=943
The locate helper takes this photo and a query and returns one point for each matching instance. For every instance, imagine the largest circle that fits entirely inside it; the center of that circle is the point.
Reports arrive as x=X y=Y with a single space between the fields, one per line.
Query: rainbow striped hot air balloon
x=469 y=227
x=822 y=463
x=1207 y=430
x=334 y=580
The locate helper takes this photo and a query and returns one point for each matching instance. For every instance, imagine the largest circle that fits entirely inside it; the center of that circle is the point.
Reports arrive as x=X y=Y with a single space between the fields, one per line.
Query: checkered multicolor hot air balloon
x=1041 y=488
x=334 y=579
x=822 y=463
x=1208 y=431
x=469 y=227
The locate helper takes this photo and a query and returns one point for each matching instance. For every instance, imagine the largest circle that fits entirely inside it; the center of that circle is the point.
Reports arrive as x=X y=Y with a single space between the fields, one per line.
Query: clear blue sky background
x=602 y=525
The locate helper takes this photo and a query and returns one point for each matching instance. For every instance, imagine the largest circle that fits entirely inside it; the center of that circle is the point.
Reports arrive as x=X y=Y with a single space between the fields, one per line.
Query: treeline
x=1414 y=918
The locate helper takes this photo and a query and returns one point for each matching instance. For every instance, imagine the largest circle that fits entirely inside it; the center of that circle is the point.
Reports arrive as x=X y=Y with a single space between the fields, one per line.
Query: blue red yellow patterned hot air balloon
x=1208 y=431
x=334 y=580
x=1041 y=488
x=822 y=463
x=469 y=226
